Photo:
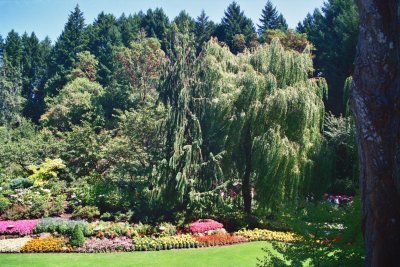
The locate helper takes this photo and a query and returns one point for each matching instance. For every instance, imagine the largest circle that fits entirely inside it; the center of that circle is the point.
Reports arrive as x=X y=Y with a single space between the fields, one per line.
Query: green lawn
x=237 y=255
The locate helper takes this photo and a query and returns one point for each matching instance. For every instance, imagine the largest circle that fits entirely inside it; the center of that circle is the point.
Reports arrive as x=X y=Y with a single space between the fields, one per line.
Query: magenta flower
x=20 y=227
x=202 y=226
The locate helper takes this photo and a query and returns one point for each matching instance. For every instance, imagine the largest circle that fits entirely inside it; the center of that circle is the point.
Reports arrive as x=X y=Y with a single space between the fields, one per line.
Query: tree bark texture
x=375 y=101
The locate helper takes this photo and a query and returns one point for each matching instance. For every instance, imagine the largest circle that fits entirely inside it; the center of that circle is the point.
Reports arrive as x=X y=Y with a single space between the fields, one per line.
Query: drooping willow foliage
x=254 y=118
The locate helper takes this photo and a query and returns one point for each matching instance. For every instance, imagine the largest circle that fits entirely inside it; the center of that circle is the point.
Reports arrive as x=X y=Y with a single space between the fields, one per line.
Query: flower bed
x=114 y=237
x=47 y=244
x=112 y=230
x=202 y=226
x=20 y=227
x=219 y=240
x=94 y=245
x=13 y=245
x=167 y=242
x=267 y=235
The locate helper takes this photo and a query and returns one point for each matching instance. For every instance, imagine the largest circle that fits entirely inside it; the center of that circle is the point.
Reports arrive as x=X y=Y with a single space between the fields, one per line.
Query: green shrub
x=4 y=204
x=77 y=238
x=107 y=217
x=123 y=217
x=111 y=229
x=20 y=183
x=60 y=226
x=143 y=229
x=57 y=205
x=39 y=206
x=166 y=229
x=169 y=242
x=16 y=212
x=87 y=212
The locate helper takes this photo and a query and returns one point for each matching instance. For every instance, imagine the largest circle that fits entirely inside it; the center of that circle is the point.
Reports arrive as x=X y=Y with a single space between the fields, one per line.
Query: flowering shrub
x=112 y=230
x=219 y=239
x=93 y=245
x=86 y=212
x=34 y=202
x=267 y=235
x=143 y=229
x=166 y=229
x=61 y=226
x=47 y=244
x=202 y=226
x=13 y=245
x=167 y=242
x=21 y=227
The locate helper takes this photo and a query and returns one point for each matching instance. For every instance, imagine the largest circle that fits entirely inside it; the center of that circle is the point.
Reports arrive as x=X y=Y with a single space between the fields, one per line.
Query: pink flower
x=201 y=226
x=21 y=227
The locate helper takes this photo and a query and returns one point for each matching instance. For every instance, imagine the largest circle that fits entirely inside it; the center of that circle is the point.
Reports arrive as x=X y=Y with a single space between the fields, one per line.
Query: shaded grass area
x=236 y=255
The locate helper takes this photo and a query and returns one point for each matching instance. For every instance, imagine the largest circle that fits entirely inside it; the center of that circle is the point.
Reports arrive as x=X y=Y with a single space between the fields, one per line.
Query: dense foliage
x=143 y=119
x=333 y=31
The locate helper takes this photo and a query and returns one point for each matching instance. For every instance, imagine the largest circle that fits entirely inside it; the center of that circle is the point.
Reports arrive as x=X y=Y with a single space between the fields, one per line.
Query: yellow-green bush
x=268 y=235
x=167 y=242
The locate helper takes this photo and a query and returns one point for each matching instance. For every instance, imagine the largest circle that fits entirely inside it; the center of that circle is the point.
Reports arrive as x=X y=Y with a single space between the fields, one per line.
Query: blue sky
x=47 y=17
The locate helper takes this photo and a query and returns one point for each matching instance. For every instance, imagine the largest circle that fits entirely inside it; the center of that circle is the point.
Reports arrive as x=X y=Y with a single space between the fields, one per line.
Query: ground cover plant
x=20 y=227
x=13 y=245
x=95 y=245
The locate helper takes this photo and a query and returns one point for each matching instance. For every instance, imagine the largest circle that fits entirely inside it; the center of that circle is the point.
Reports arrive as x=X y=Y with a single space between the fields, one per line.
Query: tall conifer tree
x=11 y=101
x=35 y=55
x=204 y=29
x=333 y=31
x=13 y=49
x=129 y=27
x=235 y=23
x=156 y=24
x=1 y=49
x=104 y=37
x=271 y=19
x=184 y=20
x=71 y=42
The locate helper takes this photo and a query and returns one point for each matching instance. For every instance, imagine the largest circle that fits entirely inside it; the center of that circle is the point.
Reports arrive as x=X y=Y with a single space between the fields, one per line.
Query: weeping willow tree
x=276 y=125
x=255 y=117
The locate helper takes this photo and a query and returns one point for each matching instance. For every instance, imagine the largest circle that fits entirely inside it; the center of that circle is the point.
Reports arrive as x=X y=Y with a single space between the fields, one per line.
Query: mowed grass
x=236 y=255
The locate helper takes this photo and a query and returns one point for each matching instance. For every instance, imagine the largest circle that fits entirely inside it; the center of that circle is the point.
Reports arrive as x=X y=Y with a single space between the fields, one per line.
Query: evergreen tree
x=35 y=55
x=156 y=24
x=204 y=30
x=71 y=42
x=104 y=37
x=1 y=49
x=233 y=23
x=11 y=101
x=185 y=22
x=190 y=171
x=333 y=32
x=13 y=49
x=282 y=24
x=129 y=27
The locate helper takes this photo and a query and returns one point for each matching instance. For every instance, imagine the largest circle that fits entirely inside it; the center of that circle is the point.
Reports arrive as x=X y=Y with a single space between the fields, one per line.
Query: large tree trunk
x=376 y=106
